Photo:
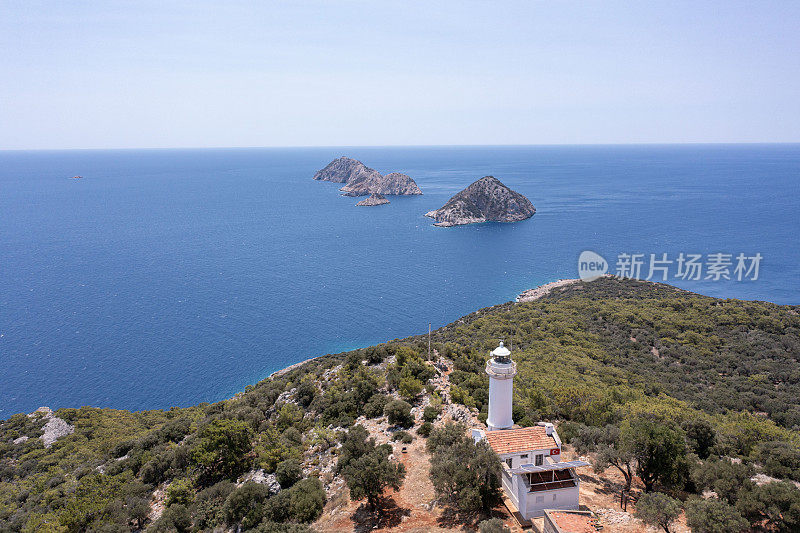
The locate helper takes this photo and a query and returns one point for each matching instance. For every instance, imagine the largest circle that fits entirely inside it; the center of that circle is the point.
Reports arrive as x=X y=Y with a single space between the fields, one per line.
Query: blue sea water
x=171 y=277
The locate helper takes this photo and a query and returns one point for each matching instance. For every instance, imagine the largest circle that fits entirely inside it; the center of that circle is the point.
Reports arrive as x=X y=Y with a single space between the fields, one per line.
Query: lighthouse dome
x=501 y=353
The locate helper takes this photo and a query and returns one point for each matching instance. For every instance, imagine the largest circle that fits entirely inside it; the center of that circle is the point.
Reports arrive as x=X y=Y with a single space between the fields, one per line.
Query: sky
x=163 y=74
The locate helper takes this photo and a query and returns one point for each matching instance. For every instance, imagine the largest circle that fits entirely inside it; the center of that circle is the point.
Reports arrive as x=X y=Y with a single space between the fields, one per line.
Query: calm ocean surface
x=172 y=277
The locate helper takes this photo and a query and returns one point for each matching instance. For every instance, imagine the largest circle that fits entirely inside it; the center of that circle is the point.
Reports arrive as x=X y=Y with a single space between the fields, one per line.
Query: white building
x=534 y=477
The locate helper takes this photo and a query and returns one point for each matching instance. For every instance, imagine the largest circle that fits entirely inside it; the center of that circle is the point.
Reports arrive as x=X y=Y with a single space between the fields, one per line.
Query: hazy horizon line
x=310 y=146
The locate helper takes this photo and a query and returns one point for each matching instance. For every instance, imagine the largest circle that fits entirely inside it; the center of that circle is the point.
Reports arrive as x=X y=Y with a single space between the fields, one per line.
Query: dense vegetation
x=685 y=392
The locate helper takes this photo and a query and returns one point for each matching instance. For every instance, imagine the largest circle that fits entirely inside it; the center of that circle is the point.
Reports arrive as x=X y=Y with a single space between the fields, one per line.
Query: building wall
x=509 y=489
x=548 y=526
x=565 y=499
x=517 y=461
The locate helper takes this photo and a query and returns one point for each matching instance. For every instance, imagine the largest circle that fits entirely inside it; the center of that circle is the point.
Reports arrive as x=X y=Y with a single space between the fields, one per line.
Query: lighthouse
x=501 y=370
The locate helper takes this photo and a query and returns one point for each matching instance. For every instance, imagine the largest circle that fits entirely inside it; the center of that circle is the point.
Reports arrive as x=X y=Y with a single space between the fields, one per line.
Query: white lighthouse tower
x=501 y=370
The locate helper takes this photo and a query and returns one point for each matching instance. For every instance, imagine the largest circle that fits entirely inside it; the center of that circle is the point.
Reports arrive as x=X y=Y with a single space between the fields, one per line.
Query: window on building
x=540 y=499
x=508 y=462
x=539 y=459
x=554 y=497
x=523 y=457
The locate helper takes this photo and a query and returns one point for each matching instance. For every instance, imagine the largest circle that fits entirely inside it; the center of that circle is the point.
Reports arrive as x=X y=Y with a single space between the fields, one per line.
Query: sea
x=171 y=277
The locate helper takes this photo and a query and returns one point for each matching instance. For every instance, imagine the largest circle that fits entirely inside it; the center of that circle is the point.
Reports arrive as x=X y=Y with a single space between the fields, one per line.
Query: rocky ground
x=373 y=199
x=413 y=509
x=54 y=428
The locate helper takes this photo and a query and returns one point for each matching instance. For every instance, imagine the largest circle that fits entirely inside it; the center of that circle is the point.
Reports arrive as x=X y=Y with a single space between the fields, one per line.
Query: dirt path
x=413 y=508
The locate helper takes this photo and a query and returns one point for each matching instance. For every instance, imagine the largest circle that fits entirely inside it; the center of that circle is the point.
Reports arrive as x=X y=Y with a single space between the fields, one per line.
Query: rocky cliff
x=485 y=200
x=360 y=180
x=393 y=183
x=374 y=199
x=346 y=170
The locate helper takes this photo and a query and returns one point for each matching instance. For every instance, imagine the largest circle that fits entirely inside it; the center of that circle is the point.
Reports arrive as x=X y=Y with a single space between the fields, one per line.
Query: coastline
x=279 y=373
x=525 y=296
x=542 y=290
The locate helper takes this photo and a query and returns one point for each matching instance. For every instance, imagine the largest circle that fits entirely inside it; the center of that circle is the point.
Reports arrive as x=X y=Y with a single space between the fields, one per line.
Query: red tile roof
x=520 y=440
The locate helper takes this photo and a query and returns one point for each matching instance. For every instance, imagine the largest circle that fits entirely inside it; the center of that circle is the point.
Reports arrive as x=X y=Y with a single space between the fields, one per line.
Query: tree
x=223 y=449
x=776 y=504
x=306 y=500
x=606 y=443
x=306 y=392
x=780 y=459
x=208 y=507
x=714 y=516
x=409 y=387
x=430 y=414
x=138 y=510
x=175 y=518
x=657 y=509
x=180 y=491
x=425 y=429
x=288 y=473
x=369 y=475
x=445 y=436
x=375 y=405
x=399 y=413
x=465 y=474
x=366 y=467
x=723 y=476
x=658 y=446
x=700 y=436
x=355 y=443
x=244 y=505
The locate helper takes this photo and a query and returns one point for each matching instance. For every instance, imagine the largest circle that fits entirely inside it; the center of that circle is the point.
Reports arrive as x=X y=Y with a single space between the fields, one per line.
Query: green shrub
x=398 y=413
x=430 y=414
x=245 y=505
x=180 y=491
x=307 y=499
x=424 y=430
x=223 y=450
x=403 y=436
x=288 y=473
x=493 y=525
x=375 y=405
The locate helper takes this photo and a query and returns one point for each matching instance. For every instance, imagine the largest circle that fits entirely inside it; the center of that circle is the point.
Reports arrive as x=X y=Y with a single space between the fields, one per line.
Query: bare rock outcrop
x=484 y=200
x=54 y=428
x=392 y=183
x=374 y=199
x=261 y=477
x=360 y=180
x=346 y=170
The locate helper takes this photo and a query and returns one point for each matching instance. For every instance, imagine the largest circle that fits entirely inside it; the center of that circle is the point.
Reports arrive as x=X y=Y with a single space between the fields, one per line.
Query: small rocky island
x=374 y=199
x=485 y=200
x=360 y=180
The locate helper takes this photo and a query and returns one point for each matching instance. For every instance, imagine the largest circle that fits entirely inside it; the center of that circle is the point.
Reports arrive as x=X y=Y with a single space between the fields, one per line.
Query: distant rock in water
x=346 y=170
x=76 y=177
x=374 y=199
x=485 y=200
x=393 y=183
x=360 y=180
